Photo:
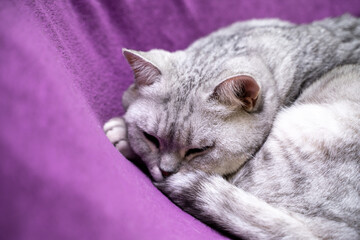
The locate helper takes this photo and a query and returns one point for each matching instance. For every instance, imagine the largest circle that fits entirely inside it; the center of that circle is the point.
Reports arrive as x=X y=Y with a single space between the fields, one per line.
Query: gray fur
x=291 y=162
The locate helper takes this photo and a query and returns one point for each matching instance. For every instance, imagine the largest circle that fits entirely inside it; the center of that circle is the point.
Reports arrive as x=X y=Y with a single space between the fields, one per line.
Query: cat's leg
x=116 y=131
x=217 y=202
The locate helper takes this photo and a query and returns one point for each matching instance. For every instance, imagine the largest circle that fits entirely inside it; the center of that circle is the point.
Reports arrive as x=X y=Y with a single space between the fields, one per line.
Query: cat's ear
x=145 y=71
x=241 y=90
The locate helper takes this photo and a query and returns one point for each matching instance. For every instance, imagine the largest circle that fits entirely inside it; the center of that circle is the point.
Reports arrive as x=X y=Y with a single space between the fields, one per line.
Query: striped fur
x=290 y=168
x=304 y=181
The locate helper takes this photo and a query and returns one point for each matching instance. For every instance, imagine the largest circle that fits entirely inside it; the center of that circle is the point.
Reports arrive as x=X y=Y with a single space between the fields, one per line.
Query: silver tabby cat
x=254 y=129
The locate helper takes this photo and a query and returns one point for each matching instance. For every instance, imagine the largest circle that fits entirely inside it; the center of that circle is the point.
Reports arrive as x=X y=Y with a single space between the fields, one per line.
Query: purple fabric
x=61 y=76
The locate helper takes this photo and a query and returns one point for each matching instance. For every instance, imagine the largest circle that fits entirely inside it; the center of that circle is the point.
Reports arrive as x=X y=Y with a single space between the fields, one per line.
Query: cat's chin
x=156 y=174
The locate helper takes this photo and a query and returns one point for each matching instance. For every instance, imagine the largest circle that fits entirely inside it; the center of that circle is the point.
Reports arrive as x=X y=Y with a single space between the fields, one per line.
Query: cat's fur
x=250 y=103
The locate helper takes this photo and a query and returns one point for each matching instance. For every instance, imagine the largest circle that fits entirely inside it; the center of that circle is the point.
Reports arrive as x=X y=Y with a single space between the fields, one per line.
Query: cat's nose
x=165 y=174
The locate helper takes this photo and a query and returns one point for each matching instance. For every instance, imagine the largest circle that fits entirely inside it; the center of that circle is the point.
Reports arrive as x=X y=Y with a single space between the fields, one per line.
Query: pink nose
x=165 y=173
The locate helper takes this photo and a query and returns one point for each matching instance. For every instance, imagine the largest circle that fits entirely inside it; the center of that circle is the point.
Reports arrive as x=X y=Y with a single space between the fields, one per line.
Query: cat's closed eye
x=152 y=139
x=196 y=151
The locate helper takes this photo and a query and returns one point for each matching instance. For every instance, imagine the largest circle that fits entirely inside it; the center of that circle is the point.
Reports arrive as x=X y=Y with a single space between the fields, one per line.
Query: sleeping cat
x=254 y=129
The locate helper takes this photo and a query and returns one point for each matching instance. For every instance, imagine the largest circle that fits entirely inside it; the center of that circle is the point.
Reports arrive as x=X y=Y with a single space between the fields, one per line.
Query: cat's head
x=184 y=113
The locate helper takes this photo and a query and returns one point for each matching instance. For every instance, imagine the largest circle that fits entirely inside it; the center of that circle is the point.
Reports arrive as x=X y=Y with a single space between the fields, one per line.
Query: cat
x=253 y=129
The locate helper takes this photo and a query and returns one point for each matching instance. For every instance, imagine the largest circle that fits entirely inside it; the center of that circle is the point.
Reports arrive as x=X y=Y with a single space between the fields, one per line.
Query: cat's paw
x=183 y=188
x=116 y=131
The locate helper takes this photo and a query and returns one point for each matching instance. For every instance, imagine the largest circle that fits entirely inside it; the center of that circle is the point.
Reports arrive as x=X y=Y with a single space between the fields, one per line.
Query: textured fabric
x=62 y=75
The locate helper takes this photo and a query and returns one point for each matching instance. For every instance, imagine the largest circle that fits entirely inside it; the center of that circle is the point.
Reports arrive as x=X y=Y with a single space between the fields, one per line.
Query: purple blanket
x=62 y=75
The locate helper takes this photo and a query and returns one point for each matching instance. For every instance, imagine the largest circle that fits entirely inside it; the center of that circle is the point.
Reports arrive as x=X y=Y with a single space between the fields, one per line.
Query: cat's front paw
x=116 y=131
x=183 y=188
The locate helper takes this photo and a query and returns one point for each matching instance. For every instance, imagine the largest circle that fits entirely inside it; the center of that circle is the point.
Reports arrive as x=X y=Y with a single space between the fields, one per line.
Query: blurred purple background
x=62 y=75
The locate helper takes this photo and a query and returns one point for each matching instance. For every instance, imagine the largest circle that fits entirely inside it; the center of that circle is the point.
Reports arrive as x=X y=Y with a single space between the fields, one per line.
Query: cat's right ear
x=145 y=71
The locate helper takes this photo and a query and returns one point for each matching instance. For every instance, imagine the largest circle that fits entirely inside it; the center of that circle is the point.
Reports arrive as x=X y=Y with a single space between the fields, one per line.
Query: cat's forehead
x=180 y=125
x=179 y=115
x=199 y=65
x=207 y=65
x=187 y=79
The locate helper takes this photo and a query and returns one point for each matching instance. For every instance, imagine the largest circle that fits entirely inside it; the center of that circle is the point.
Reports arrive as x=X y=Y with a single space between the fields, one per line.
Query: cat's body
x=201 y=113
x=310 y=163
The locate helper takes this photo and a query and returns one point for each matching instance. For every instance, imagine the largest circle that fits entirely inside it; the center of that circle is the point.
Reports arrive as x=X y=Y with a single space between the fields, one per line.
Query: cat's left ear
x=146 y=72
x=238 y=91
